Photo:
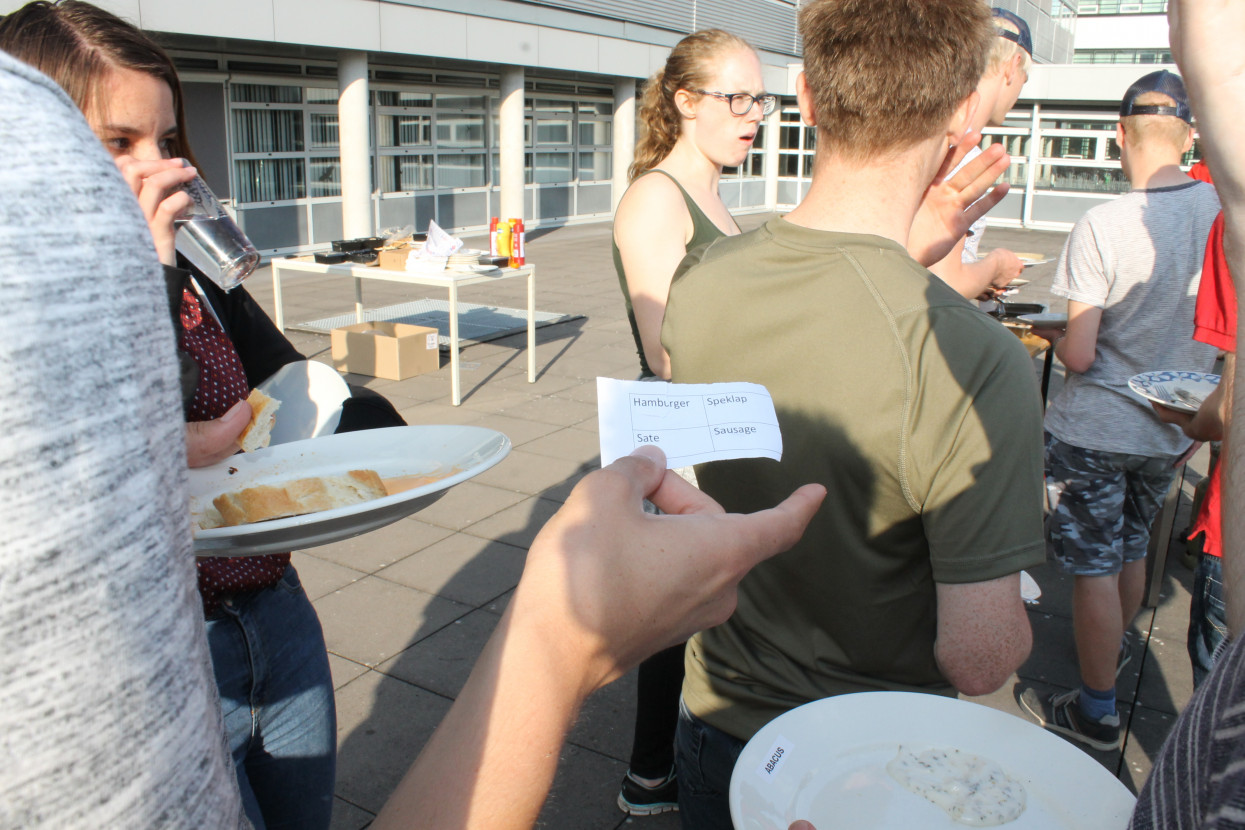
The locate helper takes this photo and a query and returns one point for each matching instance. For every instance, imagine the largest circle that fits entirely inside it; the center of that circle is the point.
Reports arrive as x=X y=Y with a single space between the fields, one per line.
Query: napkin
x=440 y=243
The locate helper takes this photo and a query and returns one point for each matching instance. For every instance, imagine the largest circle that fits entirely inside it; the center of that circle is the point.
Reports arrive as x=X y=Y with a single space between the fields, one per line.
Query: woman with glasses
x=699 y=114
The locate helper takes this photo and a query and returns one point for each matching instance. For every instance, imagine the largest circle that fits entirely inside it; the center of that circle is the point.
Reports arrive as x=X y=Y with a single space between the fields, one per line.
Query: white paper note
x=691 y=422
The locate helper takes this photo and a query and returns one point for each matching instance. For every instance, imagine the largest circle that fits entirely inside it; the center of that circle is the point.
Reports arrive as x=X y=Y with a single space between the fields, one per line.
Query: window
x=284 y=140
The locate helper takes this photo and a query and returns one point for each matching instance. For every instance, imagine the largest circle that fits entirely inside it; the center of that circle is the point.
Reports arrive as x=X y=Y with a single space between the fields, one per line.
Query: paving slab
x=373 y=619
x=461 y=567
x=382 y=723
x=442 y=662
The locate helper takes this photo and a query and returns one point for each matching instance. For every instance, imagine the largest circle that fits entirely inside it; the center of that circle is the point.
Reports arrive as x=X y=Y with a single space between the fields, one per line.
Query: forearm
x=1210 y=421
x=969 y=279
x=493 y=758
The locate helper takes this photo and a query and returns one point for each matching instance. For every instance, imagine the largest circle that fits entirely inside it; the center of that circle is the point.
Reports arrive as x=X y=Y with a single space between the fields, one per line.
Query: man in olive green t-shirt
x=919 y=414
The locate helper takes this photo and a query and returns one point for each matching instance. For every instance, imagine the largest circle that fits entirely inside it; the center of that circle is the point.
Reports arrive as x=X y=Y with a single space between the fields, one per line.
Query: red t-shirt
x=1214 y=322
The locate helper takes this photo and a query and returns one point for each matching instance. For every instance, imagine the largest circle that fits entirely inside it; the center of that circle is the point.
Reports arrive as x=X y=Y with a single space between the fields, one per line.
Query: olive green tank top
x=703 y=232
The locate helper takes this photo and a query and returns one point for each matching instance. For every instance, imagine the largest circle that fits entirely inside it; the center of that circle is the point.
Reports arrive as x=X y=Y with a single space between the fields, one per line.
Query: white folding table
x=449 y=280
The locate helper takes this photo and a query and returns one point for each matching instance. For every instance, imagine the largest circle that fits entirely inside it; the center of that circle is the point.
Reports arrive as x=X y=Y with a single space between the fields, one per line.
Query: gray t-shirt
x=1139 y=259
x=108 y=711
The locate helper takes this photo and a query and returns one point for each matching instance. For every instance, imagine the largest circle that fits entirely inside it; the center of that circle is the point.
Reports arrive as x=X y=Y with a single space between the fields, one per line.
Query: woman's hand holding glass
x=158 y=186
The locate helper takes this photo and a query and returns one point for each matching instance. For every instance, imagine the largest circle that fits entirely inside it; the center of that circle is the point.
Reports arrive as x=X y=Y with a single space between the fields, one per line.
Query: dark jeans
x=1208 y=625
x=704 y=757
x=276 y=693
x=659 y=683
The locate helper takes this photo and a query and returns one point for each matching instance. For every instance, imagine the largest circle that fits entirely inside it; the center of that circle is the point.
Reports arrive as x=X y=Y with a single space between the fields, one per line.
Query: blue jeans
x=276 y=694
x=1208 y=624
x=704 y=758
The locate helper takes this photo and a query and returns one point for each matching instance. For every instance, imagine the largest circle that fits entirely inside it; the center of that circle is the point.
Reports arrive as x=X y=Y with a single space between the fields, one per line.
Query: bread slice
x=263 y=415
x=295 y=498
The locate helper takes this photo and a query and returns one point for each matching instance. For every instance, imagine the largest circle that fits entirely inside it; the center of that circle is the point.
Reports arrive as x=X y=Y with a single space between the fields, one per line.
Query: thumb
x=801 y=825
x=241 y=411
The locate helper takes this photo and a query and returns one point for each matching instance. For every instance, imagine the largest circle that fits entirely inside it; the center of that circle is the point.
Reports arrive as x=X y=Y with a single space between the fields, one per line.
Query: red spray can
x=492 y=237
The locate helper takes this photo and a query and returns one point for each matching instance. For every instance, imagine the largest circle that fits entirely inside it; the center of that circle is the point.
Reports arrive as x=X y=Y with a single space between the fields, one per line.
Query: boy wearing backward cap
x=1130 y=272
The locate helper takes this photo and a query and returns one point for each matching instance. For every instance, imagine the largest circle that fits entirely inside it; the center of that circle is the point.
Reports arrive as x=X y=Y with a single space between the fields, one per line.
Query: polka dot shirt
x=222 y=383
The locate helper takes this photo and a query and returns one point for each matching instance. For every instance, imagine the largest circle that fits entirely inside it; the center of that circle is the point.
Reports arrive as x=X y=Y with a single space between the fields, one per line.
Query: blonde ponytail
x=689 y=66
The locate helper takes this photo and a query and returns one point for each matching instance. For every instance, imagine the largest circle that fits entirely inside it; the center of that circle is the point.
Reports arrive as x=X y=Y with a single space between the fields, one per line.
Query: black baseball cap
x=1021 y=37
x=1164 y=82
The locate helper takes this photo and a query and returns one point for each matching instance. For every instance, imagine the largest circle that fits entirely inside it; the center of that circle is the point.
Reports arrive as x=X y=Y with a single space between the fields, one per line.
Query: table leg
x=531 y=325
x=454 y=383
x=1160 y=541
x=276 y=296
x=358 y=300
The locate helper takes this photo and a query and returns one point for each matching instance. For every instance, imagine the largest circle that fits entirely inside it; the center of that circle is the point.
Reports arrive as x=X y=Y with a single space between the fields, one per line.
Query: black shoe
x=642 y=800
x=1062 y=714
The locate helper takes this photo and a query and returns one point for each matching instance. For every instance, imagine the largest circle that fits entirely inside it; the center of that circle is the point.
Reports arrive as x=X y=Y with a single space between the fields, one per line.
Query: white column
x=356 y=161
x=510 y=144
x=624 y=135
x=769 y=167
x=1035 y=152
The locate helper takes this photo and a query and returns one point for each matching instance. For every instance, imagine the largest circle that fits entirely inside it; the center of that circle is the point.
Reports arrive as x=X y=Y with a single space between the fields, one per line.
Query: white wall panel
x=624 y=58
x=1122 y=31
x=248 y=19
x=568 y=50
x=408 y=30
x=499 y=41
x=326 y=23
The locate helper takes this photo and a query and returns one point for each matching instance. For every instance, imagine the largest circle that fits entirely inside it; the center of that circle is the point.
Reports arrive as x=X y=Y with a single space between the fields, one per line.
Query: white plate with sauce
x=417 y=463
x=825 y=762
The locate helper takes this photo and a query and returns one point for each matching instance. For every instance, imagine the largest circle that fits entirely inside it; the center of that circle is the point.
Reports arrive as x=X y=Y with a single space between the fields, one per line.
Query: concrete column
x=624 y=135
x=510 y=142
x=356 y=156
x=1035 y=152
x=769 y=166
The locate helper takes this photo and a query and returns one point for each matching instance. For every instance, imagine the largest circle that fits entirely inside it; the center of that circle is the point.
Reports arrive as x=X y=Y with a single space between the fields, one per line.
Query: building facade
x=322 y=119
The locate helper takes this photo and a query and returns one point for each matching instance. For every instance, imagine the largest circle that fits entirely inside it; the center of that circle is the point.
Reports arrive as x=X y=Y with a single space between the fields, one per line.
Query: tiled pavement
x=407 y=608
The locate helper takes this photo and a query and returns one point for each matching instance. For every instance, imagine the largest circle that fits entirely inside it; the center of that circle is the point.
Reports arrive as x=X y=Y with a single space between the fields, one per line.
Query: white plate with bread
x=338 y=486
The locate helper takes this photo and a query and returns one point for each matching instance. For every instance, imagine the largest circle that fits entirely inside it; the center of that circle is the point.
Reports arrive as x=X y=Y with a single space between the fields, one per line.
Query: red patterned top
x=222 y=383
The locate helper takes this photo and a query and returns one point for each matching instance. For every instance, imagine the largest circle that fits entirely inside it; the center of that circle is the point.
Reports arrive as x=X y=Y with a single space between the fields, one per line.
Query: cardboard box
x=394 y=351
x=394 y=259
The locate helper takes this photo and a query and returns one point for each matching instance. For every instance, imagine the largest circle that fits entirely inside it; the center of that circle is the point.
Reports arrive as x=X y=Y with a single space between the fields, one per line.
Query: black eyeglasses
x=741 y=102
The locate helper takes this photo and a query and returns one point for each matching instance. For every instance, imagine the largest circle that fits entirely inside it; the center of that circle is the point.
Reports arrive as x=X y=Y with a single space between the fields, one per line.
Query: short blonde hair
x=886 y=74
x=1150 y=130
x=1003 y=50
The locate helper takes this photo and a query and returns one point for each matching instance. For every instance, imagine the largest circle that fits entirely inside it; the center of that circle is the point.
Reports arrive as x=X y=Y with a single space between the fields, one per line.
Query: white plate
x=1161 y=387
x=1018 y=282
x=311 y=396
x=1047 y=320
x=832 y=769
x=459 y=452
x=479 y=269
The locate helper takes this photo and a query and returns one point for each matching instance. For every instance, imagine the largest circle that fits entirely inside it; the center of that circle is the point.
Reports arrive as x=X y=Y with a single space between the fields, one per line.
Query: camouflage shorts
x=1101 y=506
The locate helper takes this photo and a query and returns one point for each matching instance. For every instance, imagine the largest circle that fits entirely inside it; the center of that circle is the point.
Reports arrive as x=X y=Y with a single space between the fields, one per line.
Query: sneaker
x=642 y=800
x=1062 y=714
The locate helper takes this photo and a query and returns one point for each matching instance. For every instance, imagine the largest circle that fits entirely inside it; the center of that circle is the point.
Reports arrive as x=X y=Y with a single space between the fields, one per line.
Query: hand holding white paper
x=691 y=422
